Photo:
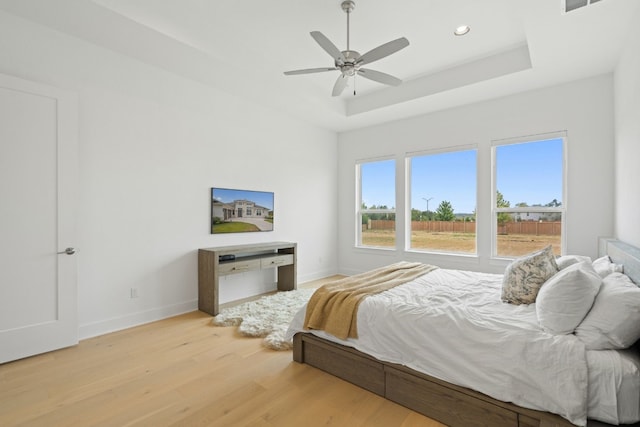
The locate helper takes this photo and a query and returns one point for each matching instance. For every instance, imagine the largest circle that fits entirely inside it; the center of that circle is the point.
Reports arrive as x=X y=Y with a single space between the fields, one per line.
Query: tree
x=384 y=216
x=502 y=203
x=375 y=216
x=378 y=215
x=445 y=212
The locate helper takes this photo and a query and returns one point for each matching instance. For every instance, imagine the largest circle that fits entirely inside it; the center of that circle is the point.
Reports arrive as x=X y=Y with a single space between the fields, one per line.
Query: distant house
x=238 y=209
x=536 y=216
x=528 y=216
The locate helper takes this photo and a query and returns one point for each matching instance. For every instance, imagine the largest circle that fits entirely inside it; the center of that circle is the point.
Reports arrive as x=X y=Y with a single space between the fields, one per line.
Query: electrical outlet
x=134 y=293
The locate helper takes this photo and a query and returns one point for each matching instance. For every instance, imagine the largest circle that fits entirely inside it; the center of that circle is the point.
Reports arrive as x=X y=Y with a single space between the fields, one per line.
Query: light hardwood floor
x=183 y=371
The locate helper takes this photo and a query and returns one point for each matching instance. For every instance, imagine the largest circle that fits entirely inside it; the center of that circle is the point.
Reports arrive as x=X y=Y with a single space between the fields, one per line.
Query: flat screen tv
x=241 y=211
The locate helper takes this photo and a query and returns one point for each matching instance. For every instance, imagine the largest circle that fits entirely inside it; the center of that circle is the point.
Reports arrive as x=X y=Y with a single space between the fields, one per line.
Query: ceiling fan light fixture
x=349 y=62
x=462 y=30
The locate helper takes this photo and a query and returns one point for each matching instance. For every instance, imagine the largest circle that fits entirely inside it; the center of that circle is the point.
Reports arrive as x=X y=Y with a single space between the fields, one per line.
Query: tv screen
x=241 y=211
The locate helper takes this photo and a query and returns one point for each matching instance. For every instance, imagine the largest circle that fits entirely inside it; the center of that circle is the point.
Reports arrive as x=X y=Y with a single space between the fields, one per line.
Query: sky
x=260 y=198
x=528 y=172
x=531 y=172
x=444 y=176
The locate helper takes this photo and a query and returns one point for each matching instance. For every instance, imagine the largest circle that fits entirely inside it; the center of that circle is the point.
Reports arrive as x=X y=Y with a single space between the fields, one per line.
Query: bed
x=607 y=382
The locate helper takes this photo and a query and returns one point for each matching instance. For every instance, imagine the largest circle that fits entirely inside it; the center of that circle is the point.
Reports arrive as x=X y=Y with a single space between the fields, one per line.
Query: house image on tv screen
x=239 y=209
x=251 y=211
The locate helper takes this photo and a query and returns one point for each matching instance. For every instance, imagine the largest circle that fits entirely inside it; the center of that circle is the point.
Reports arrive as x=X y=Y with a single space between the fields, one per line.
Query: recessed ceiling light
x=462 y=30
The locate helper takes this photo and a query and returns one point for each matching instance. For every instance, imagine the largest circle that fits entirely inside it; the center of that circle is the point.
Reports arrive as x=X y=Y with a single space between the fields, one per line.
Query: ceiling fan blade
x=327 y=45
x=383 y=50
x=379 y=77
x=308 y=71
x=340 y=85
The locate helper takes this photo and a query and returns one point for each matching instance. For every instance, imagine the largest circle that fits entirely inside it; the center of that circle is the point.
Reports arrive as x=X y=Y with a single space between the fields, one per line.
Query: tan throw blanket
x=334 y=306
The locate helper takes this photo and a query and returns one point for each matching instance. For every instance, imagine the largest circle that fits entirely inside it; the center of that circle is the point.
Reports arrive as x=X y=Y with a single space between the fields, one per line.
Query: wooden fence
x=547 y=228
x=444 y=226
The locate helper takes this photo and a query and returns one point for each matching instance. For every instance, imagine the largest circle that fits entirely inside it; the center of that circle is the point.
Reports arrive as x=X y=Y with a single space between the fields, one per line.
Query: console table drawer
x=239 y=266
x=276 y=261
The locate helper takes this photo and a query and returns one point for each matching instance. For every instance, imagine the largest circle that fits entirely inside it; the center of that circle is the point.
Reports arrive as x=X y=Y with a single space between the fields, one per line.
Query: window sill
x=500 y=261
x=376 y=249
x=448 y=257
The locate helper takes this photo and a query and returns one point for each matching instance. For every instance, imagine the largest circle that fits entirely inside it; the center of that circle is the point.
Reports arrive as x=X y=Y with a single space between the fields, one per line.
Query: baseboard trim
x=102 y=327
x=316 y=276
x=94 y=329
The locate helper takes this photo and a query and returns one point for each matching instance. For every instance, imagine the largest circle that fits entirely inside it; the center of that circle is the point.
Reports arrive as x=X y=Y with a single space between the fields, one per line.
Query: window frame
x=358 y=199
x=529 y=209
x=486 y=211
x=408 y=189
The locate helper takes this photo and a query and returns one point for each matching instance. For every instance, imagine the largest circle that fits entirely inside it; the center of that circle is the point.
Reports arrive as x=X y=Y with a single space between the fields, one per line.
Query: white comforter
x=452 y=325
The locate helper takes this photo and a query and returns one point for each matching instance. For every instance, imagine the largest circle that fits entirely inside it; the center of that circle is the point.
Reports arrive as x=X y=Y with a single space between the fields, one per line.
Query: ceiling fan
x=349 y=62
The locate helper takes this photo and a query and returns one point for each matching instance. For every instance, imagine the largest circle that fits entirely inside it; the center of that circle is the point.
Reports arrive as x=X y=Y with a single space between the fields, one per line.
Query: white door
x=38 y=183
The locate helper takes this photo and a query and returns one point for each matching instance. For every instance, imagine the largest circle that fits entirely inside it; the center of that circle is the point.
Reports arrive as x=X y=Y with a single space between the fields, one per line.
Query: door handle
x=68 y=251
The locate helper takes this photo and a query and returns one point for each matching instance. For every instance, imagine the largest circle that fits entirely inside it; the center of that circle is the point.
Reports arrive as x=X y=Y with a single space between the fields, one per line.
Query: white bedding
x=614 y=386
x=448 y=324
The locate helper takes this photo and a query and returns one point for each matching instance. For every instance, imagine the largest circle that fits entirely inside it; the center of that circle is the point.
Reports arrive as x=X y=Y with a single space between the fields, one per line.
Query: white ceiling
x=244 y=46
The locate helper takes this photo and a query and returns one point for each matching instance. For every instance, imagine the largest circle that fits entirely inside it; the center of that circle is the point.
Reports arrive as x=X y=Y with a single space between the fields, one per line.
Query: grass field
x=508 y=245
x=234 y=227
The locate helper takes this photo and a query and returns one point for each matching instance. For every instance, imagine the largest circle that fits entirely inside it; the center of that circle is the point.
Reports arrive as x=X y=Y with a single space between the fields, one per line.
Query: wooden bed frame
x=452 y=405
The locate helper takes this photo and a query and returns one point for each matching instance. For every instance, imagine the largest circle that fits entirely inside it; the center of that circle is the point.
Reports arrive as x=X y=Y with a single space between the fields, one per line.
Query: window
x=376 y=213
x=443 y=201
x=528 y=207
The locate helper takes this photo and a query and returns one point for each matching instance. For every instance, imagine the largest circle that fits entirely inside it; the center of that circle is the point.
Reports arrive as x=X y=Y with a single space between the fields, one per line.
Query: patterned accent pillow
x=524 y=276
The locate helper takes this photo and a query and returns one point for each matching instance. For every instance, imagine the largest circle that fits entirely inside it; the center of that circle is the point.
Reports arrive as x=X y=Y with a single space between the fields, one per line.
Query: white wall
x=583 y=108
x=627 y=159
x=151 y=146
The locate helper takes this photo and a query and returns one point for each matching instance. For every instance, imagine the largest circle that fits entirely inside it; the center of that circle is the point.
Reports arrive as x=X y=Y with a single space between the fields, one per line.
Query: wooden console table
x=280 y=255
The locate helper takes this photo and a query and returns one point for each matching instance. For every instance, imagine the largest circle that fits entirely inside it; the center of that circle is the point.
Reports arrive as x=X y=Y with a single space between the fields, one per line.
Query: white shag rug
x=267 y=317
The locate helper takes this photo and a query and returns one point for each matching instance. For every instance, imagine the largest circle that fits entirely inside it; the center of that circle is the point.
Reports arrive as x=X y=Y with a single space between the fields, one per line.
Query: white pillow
x=524 y=276
x=566 y=298
x=614 y=319
x=567 y=260
x=604 y=266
